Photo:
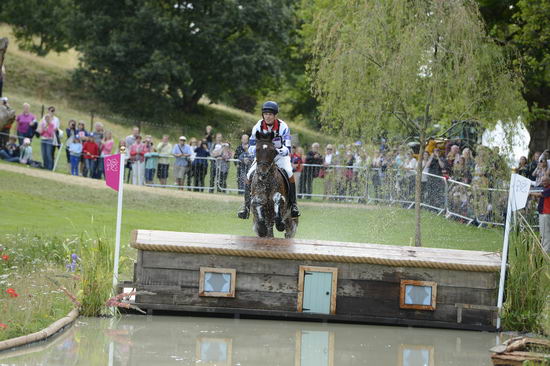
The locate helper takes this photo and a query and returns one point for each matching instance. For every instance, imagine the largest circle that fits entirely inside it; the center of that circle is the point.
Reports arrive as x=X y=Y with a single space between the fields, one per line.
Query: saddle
x=287 y=183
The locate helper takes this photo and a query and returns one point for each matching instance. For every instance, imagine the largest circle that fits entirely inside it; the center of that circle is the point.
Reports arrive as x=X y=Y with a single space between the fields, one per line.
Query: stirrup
x=294 y=212
x=243 y=213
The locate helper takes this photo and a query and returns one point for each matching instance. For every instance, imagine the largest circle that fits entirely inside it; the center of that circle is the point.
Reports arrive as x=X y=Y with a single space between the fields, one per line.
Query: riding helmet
x=270 y=106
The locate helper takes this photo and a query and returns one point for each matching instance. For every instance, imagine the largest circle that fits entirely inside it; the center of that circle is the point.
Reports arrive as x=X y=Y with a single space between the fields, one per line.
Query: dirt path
x=100 y=184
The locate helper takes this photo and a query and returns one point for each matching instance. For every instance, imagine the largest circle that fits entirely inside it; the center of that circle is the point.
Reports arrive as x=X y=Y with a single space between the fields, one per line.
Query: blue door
x=317 y=292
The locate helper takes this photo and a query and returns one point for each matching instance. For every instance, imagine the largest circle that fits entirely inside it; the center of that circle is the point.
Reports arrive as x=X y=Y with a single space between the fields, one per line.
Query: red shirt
x=90 y=150
x=297 y=159
x=544 y=202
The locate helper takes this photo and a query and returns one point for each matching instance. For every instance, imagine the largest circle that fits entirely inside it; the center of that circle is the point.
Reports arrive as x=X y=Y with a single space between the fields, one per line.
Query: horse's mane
x=267 y=137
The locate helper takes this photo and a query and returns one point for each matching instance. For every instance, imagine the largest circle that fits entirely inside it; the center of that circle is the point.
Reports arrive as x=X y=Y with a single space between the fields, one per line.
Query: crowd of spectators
x=381 y=172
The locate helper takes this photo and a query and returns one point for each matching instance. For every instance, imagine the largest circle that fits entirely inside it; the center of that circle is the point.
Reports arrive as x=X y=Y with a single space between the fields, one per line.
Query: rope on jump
x=317 y=257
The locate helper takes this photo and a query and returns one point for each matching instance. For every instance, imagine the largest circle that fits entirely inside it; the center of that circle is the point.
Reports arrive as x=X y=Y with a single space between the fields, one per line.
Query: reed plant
x=528 y=283
x=96 y=267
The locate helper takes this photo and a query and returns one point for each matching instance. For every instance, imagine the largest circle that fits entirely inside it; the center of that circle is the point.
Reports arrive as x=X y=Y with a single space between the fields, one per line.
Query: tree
x=398 y=65
x=40 y=26
x=521 y=28
x=142 y=54
x=179 y=50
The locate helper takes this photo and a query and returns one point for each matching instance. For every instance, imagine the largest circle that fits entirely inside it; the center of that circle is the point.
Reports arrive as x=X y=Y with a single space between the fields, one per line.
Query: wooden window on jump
x=217 y=282
x=317 y=289
x=418 y=295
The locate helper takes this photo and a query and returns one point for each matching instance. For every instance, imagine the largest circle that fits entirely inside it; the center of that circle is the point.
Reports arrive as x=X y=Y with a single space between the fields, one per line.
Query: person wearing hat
x=281 y=141
x=25 y=152
x=182 y=152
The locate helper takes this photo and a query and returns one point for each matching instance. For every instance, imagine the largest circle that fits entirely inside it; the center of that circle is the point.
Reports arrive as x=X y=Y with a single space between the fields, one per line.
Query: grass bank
x=51 y=207
x=43 y=277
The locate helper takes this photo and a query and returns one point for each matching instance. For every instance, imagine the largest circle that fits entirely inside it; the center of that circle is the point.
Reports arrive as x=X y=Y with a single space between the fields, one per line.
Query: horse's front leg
x=270 y=229
x=260 y=221
x=278 y=205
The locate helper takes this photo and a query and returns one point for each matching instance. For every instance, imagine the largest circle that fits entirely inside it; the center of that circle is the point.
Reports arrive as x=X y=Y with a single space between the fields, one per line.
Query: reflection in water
x=167 y=340
x=416 y=355
x=214 y=351
x=314 y=348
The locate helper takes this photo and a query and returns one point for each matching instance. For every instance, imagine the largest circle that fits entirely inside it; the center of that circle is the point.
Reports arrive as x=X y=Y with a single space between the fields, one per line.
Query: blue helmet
x=270 y=106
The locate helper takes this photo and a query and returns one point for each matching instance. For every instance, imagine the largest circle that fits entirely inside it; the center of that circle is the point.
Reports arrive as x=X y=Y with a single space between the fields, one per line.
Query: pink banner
x=112 y=171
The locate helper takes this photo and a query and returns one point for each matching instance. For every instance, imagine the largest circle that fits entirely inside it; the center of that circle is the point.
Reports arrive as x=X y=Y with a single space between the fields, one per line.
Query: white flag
x=520 y=191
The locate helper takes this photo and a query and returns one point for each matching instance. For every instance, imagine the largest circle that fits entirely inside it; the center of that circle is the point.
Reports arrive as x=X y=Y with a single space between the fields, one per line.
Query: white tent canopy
x=512 y=140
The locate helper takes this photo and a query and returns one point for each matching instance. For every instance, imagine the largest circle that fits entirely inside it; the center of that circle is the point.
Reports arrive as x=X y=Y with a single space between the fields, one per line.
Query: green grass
x=35 y=288
x=53 y=208
x=38 y=303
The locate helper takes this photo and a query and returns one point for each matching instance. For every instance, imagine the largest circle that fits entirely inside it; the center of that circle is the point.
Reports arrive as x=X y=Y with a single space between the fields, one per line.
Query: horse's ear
x=271 y=135
x=258 y=135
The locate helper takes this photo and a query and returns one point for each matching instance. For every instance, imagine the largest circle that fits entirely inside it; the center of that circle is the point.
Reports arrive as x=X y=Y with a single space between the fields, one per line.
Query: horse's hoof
x=280 y=226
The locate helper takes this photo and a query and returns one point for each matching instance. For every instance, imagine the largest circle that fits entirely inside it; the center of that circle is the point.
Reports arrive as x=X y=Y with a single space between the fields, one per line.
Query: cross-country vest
x=278 y=139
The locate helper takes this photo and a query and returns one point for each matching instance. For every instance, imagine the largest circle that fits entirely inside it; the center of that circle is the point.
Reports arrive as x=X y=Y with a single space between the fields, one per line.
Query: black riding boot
x=294 y=212
x=245 y=210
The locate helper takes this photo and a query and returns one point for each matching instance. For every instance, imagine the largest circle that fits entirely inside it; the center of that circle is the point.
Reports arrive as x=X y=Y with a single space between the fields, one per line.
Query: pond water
x=167 y=340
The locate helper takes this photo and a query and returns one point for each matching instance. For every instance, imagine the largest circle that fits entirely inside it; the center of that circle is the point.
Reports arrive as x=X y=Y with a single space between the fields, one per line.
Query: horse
x=268 y=191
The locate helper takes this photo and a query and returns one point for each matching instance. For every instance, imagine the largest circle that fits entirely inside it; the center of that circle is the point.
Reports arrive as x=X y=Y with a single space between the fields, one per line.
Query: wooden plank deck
x=317 y=250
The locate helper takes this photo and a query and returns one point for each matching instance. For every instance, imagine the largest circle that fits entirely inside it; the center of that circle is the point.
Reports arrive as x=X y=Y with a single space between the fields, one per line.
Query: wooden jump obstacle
x=316 y=279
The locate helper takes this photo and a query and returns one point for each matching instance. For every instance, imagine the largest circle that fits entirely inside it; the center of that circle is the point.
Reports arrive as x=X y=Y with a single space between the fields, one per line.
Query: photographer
x=10 y=152
x=71 y=133
x=313 y=157
x=151 y=160
x=200 y=166
x=435 y=185
x=243 y=165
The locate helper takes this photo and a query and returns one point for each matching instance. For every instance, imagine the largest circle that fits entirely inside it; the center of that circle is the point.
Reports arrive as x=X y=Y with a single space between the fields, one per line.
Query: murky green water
x=172 y=340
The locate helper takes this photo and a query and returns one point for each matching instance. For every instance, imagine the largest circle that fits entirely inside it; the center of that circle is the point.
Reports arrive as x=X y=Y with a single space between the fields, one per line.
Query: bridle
x=269 y=168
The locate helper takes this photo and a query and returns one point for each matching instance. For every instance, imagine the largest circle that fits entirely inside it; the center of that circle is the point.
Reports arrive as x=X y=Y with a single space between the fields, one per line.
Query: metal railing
x=470 y=203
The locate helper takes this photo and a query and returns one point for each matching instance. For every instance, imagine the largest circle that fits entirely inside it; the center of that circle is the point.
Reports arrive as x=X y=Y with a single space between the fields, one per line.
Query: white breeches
x=282 y=162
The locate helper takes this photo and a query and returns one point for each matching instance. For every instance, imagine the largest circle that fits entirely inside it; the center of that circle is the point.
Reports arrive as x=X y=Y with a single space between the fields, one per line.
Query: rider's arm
x=287 y=143
x=252 y=142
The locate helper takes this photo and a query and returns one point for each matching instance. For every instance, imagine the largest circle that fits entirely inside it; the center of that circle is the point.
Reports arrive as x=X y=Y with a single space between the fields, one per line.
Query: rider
x=269 y=123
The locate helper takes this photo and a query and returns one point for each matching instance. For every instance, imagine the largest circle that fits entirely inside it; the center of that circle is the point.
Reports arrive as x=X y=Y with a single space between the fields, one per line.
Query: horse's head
x=265 y=152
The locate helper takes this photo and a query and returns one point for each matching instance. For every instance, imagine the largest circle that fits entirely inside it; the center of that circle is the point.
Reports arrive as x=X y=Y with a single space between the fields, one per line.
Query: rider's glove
x=283 y=151
x=252 y=150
